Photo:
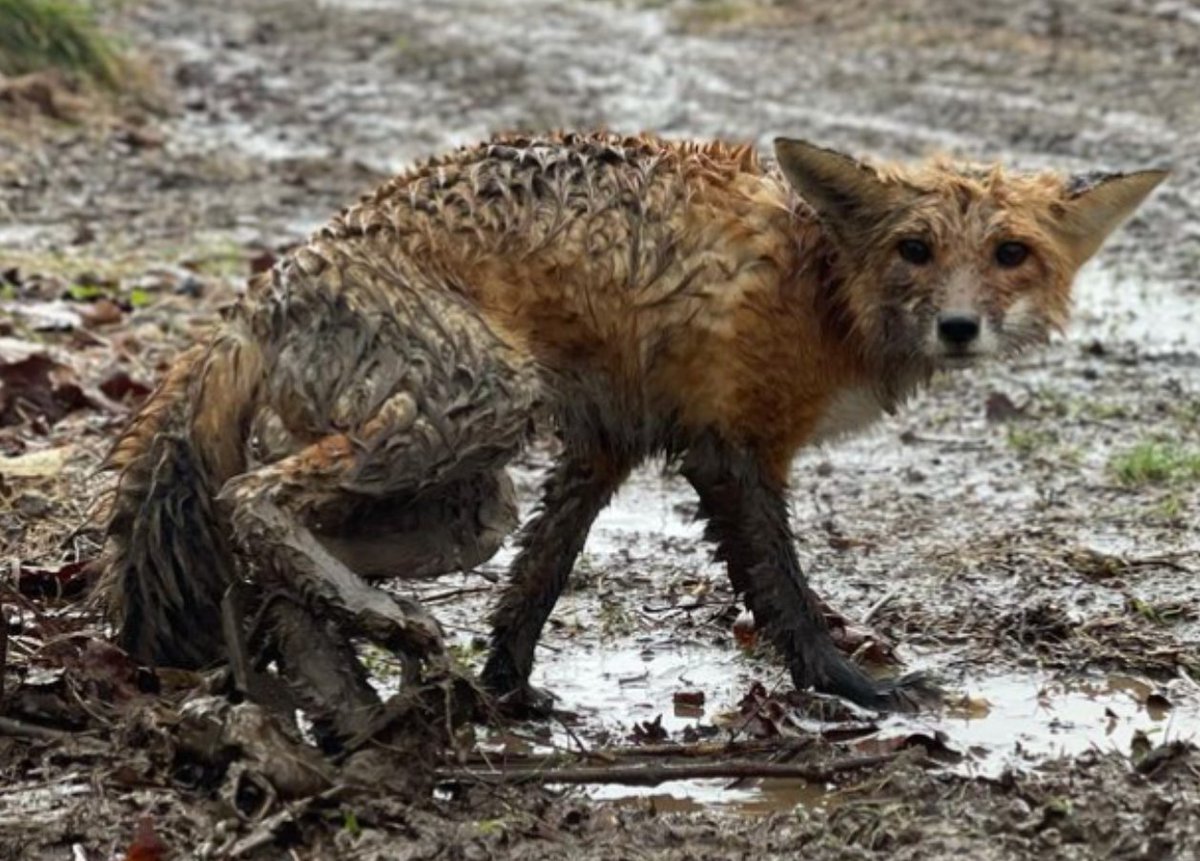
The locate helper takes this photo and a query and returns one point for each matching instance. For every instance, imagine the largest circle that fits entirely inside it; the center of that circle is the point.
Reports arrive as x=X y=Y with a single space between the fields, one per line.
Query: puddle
x=616 y=678
x=1111 y=306
x=1030 y=718
x=1027 y=719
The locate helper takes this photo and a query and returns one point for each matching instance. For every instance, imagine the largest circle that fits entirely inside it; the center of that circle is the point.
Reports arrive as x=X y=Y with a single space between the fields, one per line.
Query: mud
x=1025 y=534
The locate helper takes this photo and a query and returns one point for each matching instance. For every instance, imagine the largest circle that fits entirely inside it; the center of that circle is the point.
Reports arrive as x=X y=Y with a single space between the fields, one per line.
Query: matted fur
x=646 y=296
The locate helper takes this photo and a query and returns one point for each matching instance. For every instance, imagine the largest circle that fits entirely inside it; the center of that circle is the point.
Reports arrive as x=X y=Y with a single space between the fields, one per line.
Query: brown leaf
x=66 y=582
x=37 y=384
x=999 y=407
x=146 y=845
x=121 y=387
x=688 y=698
x=102 y=312
x=140 y=137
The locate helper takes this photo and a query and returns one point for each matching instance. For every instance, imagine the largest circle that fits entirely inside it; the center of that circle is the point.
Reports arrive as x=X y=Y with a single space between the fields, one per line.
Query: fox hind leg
x=391 y=395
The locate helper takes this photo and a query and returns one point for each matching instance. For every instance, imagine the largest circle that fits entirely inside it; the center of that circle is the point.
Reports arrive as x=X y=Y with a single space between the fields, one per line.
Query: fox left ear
x=1094 y=206
x=848 y=196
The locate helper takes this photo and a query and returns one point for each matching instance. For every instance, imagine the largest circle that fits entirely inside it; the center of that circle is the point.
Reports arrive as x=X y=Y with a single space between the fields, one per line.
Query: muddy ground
x=1026 y=534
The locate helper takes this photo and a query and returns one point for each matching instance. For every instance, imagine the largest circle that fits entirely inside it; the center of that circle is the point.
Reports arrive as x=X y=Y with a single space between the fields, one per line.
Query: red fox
x=353 y=415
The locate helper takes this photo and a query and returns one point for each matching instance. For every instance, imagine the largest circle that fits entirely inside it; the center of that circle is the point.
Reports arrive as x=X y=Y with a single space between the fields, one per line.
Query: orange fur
x=649 y=296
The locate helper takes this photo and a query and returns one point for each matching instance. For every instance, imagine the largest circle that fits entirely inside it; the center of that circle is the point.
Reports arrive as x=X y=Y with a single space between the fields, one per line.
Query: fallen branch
x=699 y=750
x=652 y=775
x=12 y=726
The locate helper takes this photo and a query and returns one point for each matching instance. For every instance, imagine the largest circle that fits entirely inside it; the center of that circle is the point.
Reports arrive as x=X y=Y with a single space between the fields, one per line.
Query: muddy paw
x=911 y=693
x=526 y=703
x=839 y=676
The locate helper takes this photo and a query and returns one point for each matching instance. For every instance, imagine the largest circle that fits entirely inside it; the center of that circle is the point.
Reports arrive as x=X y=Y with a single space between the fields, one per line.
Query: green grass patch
x=1027 y=442
x=56 y=34
x=1156 y=462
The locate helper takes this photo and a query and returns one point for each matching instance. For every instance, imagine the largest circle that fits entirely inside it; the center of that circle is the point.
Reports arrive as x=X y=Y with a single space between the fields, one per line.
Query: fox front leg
x=748 y=519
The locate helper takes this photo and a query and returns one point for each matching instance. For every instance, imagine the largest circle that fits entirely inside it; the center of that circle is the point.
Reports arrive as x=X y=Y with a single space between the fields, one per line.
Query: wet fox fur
x=353 y=415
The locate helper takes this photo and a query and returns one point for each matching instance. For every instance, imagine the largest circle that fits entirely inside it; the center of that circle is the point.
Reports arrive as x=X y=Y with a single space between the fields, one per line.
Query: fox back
x=663 y=287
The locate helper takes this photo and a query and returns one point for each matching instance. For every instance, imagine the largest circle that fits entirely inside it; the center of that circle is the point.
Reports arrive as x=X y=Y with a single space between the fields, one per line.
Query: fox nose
x=958 y=329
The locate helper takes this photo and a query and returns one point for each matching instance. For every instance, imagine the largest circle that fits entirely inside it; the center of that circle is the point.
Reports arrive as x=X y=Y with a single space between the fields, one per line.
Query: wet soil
x=1026 y=534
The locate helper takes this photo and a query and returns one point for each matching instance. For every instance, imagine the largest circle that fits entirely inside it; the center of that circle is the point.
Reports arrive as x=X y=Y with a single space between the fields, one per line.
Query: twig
x=3 y=648
x=685 y=608
x=874 y=609
x=701 y=750
x=12 y=726
x=652 y=775
x=438 y=597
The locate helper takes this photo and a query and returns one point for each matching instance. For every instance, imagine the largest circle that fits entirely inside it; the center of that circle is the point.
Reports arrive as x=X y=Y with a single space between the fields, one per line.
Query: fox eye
x=1011 y=254
x=915 y=251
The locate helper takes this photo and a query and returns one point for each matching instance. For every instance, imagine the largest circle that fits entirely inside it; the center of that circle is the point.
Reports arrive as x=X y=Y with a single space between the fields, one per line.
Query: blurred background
x=256 y=119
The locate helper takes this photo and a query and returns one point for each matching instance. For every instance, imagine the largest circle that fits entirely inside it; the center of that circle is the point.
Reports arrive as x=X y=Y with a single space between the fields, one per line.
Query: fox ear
x=1096 y=204
x=848 y=195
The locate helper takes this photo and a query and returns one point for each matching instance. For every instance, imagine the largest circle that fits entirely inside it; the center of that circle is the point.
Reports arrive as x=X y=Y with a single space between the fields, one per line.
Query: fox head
x=945 y=264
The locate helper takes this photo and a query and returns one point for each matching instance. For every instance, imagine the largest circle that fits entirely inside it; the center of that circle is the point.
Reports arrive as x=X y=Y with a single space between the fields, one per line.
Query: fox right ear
x=1096 y=204
x=848 y=195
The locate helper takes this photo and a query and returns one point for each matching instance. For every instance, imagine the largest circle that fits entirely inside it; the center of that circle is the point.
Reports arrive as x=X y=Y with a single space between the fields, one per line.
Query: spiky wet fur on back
x=644 y=293
x=624 y=265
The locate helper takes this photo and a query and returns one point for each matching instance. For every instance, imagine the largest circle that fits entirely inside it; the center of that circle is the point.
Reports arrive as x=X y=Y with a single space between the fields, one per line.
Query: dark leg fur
x=323 y=673
x=747 y=518
x=574 y=495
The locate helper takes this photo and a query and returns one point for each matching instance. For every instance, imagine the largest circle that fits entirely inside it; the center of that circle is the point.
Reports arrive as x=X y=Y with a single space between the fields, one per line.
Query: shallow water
x=1016 y=718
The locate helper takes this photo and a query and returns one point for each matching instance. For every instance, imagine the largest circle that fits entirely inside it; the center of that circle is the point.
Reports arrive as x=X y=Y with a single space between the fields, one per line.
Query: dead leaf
x=140 y=137
x=37 y=383
x=146 y=845
x=999 y=407
x=121 y=387
x=102 y=312
x=36 y=464
x=648 y=731
x=688 y=698
x=1157 y=706
x=66 y=582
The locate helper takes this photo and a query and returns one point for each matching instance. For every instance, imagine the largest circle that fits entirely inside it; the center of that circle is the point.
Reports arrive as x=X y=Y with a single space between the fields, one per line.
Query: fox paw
x=526 y=703
x=911 y=693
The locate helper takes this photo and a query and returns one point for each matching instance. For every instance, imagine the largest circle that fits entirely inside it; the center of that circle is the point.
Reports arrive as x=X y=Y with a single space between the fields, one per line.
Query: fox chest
x=847 y=412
